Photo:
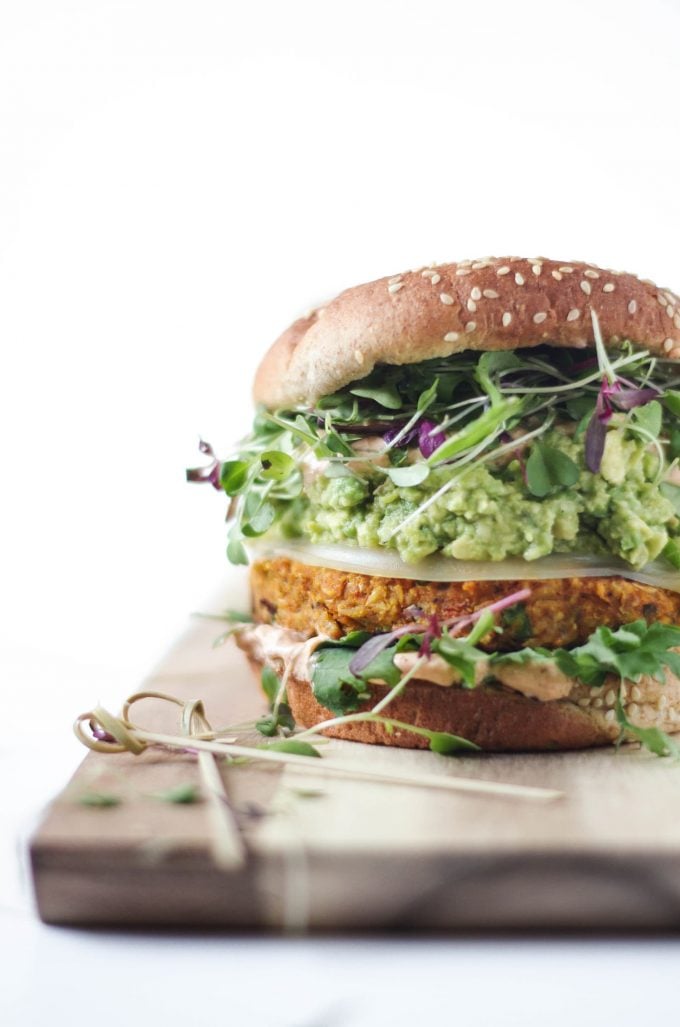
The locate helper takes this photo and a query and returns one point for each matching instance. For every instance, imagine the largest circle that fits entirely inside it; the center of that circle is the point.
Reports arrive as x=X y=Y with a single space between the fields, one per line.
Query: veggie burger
x=460 y=502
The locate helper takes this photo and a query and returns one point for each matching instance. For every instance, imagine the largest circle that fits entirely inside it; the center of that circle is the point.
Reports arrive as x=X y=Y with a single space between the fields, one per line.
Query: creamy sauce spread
x=437 y=671
x=267 y=643
x=538 y=680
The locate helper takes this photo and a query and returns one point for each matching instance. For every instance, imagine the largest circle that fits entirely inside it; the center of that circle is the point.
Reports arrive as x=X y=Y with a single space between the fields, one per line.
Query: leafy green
x=653 y=738
x=276 y=466
x=412 y=474
x=182 y=794
x=486 y=424
x=292 y=745
x=671 y=401
x=233 y=476
x=269 y=724
x=447 y=744
x=629 y=652
x=549 y=469
x=515 y=620
x=648 y=417
x=100 y=800
x=671 y=552
x=472 y=398
x=333 y=683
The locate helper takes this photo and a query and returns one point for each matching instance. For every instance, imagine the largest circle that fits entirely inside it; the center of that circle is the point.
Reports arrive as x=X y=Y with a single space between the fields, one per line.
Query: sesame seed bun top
x=495 y=303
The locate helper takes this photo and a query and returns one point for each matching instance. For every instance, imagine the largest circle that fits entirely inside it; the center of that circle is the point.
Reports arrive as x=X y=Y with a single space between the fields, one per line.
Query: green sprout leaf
x=648 y=417
x=549 y=469
x=233 y=476
x=182 y=794
x=408 y=476
x=100 y=800
x=260 y=521
x=385 y=395
x=447 y=745
x=276 y=466
x=291 y=745
x=671 y=401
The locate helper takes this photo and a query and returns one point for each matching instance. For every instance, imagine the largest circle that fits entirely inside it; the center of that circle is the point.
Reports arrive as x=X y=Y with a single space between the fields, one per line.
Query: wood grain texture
x=359 y=856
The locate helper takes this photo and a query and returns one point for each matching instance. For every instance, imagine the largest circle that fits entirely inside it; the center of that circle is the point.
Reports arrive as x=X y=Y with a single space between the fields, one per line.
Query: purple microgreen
x=394 y=433
x=99 y=733
x=429 y=438
x=434 y=630
x=374 y=646
x=211 y=473
x=458 y=624
x=627 y=399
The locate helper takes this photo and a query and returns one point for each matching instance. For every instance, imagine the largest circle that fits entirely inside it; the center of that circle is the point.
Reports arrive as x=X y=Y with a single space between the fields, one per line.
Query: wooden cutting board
x=328 y=853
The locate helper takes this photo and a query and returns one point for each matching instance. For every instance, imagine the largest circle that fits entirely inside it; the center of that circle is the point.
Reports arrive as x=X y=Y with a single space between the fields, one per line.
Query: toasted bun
x=499 y=720
x=491 y=304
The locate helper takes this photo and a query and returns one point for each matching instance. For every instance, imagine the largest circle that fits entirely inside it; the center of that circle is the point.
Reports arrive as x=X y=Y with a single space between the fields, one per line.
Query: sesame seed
x=586 y=287
x=591 y=274
x=556 y=275
x=462 y=271
x=540 y=317
x=598 y=703
x=609 y=287
x=633 y=709
x=670 y=312
x=676 y=320
x=436 y=279
x=661 y=300
x=470 y=326
x=505 y=270
x=584 y=702
x=647 y=281
x=472 y=306
x=358 y=356
x=396 y=278
x=610 y=697
x=668 y=345
x=537 y=268
x=451 y=337
x=669 y=298
x=632 y=306
x=479 y=264
x=595 y=690
x=519 y=278
x=445 y=298
x=427 y=273
x=476 y=294
x=395 y=286
x=566 y=270
x=573 y=314
x=464 y=263
x=663 y=702
x=610 y=716
x=490 y=294
x=507 y=318
x=635 y=693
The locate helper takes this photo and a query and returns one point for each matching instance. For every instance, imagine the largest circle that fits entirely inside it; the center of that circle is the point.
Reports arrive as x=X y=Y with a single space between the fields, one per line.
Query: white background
x=177 y=182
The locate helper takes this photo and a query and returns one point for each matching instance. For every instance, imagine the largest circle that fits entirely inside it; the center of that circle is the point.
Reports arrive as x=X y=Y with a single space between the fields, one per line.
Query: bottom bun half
x=497 y=719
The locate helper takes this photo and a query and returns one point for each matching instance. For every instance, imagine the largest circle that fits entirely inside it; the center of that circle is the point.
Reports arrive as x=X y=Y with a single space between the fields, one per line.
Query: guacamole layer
x=486 y=512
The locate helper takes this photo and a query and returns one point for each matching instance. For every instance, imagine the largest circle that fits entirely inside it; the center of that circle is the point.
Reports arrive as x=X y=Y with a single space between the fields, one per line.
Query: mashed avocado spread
x=487 y=513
